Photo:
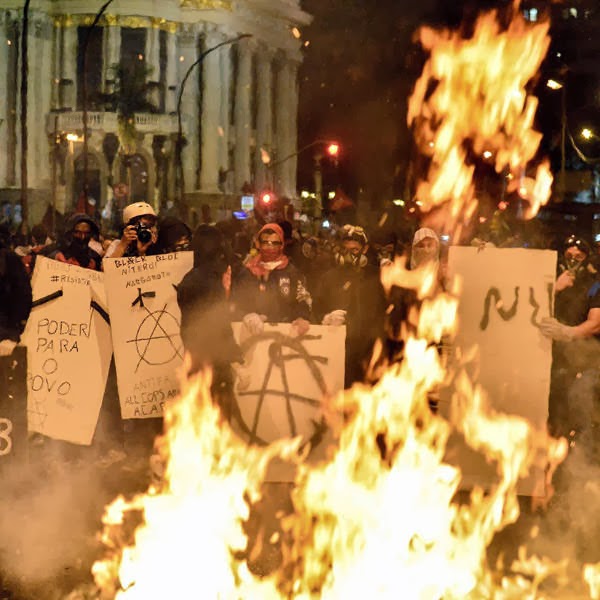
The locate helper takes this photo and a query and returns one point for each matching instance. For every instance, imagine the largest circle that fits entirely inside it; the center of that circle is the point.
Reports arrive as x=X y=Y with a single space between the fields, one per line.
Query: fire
x=379 y=518
x=480 y=106
x=191 y=535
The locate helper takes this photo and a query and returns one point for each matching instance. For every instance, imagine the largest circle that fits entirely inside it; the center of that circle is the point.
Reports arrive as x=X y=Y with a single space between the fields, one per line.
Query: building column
x=34 y=76
x=42 y=65
x=188 y=45
x=290 y=182
x=264 y=116
x=242 y=115
x=211 y=113
x=152 y=61
x=282 y=120
x=4 y=108
x=111 y=50
x=68 y=77
x=225 y=108
x=171 y=78
x=56 y=56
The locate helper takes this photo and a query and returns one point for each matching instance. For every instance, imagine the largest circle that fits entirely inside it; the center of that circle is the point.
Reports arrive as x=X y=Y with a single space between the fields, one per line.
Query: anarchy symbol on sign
x=282 y=351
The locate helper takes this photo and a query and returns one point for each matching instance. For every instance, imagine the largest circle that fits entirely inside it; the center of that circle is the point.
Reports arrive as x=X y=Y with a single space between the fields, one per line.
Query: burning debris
x=472 y=100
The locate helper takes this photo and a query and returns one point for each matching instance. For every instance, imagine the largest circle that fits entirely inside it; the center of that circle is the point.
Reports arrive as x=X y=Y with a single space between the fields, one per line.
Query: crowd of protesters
x=267 y=268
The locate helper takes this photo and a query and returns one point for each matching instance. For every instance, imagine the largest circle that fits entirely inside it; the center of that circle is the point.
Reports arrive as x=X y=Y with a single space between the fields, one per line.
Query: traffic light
x=333 y=149
x=266 y=198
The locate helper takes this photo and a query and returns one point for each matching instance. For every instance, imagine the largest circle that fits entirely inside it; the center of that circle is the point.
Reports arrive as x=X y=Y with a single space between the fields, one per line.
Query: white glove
x=7 y=347
x=335 y=317
x=243 y=376
x=254 y=323
x=551 y=328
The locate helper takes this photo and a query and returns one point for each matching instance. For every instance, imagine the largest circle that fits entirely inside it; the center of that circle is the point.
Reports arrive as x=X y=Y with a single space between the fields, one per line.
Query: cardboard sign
x=145 y=321
x=68 y=349
x=280 y=389
x=505 y=294
x=13 y=408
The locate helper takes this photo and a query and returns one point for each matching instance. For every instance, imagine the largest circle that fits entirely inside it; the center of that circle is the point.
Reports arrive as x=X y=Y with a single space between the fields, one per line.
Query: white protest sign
x=279 y=391
x=505 y=294
x=68 y=351
x=145 y=321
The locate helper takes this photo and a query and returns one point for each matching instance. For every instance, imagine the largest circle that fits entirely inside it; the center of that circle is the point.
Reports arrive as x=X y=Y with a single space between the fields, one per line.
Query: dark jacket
x=281 y=295
x=206 y=319
x=15 y=295
x=359 y=292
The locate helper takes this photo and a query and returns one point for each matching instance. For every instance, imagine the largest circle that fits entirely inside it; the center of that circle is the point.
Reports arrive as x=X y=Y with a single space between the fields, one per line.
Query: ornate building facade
x=169 y=117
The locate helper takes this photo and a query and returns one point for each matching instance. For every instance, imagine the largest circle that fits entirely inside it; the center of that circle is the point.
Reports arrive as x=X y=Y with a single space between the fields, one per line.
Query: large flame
x=191 y=538
x=472 y=100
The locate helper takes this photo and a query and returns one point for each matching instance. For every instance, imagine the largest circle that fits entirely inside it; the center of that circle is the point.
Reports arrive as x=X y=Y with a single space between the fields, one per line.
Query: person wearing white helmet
x=140 y=232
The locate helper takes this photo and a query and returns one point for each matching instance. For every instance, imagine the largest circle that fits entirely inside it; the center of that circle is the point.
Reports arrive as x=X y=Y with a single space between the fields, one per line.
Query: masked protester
x=74 y=247
x=173 y=235
x=203 y=297
x=575 y=383
x=404 y=303
x=140 y=233
x=382 y=246
x=350 y=293
x=272 y=289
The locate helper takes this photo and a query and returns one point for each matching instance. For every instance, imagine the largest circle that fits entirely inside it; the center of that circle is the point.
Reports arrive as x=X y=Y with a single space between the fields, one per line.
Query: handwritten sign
x=505 y=294
x=69 y=349
x=13 y=408
x=145 y=320
x=280 y=390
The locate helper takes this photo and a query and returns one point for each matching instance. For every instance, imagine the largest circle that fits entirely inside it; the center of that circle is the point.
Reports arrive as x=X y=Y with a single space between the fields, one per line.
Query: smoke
x=50 y=512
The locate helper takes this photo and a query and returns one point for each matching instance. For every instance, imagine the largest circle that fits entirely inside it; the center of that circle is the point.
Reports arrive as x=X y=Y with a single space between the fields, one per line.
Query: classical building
x=149 y=83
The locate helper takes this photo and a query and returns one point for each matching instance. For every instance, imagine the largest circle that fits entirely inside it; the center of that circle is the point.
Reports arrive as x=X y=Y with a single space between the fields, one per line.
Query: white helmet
x=137 y=209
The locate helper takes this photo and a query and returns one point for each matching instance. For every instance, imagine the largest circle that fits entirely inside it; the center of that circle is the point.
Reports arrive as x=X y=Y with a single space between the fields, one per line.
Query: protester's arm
x=118 y=250
x=565 y=333
x=590 y=327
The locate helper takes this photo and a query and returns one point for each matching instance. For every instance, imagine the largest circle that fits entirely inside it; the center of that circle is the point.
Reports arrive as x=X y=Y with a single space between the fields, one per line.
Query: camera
x=143 y=232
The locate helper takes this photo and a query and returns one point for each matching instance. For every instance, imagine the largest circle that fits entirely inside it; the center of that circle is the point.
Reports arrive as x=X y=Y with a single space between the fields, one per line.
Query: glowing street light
x=553 y=84
x=333 y=149
x=587 y=134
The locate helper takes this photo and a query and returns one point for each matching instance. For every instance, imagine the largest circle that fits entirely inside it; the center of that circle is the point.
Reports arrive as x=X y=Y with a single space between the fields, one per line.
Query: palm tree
x=130 y=96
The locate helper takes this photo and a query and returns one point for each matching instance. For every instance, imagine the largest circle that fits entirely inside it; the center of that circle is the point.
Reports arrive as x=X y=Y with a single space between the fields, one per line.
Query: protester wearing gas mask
x=351 y=294
x=74 y=247
x=140 y=233
x=574 y=403
x=383 y=243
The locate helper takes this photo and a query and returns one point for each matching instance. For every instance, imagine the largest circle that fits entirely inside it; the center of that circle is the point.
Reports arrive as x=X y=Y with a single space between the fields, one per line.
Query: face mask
x=420 y=256
x=270 y=254
x=78 y=242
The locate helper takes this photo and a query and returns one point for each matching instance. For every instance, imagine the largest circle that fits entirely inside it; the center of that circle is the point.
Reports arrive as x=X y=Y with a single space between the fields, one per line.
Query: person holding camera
x=140 y=233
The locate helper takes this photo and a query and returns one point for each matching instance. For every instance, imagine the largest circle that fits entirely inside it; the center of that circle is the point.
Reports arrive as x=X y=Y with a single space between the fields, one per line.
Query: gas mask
x=350 y=259
x=574 y=265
